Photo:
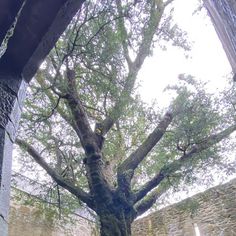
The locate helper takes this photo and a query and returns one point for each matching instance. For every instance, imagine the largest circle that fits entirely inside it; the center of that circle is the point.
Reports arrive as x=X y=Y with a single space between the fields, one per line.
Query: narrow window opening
x=196 y=229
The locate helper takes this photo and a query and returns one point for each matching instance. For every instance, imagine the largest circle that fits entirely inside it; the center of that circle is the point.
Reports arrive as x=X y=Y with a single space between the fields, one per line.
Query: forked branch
x=179 y=163
x=133 y=66
x=132 y=162
x=78 y=192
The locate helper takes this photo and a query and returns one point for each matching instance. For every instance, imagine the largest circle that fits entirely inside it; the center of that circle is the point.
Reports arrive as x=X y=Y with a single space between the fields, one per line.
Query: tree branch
x=91 y=142
x=121 y=26
x=51 y=97
x=78 y=192
x=86 y=135
x=149 y=201
x=141 y=152
x=168 y=2
x=177 y=164
x=134 y=67
x=149 y=31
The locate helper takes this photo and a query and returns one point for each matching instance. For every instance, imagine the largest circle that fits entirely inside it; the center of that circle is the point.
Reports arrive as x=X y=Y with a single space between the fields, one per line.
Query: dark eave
x=38 y=28
x=8 y=11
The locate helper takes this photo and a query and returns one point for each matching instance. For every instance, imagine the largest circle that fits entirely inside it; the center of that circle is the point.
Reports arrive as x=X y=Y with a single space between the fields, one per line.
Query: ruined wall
x=28 y=221
x=213 y=212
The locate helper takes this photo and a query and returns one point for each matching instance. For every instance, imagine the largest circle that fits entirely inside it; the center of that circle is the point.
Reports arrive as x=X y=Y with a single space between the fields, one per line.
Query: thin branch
x=178 y=164
x=46 y=117
x=50 y=96
x=98 y=31
x=78 y=192
x=149 y=201
x=168 y=2
x=134 y=67
x=156 y=13
x=121 y=25
x=141 y=152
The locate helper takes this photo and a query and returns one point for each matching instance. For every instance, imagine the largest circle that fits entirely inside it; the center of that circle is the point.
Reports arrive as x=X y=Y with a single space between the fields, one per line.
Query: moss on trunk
x=112 y=225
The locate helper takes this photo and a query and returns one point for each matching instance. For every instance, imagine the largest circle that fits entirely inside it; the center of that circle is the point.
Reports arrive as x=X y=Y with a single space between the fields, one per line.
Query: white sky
x=207 y=60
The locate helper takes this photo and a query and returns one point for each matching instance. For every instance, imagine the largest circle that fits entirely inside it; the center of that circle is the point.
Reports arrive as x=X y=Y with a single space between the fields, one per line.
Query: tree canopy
x=86 y=126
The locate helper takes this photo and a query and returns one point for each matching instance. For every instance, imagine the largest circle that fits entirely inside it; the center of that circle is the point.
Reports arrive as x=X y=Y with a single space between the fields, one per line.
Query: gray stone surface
x=12 y=91
x=5 y=172
x=223 y=16
x=31 y=221
x=213 y=212
x=3 y=227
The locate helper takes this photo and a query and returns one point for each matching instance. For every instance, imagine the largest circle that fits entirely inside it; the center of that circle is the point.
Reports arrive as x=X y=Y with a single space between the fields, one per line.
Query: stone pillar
x=12 y=92
x=223 y=16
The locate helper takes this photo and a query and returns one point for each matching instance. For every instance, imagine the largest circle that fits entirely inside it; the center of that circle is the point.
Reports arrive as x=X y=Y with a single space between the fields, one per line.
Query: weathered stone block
x=12 y=90
x=215 y=214
x=3 y=227
x=5 y=174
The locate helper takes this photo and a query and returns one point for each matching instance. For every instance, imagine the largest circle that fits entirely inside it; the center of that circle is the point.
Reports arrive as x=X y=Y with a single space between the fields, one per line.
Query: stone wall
x=213 y=212
x=29 y=221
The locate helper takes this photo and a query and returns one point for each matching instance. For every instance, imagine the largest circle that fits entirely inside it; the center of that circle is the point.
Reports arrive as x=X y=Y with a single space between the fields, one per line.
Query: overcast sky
x=207 y=60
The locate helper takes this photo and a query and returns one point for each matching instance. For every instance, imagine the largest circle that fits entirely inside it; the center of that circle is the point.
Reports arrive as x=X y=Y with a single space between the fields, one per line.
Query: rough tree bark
x=112 y=225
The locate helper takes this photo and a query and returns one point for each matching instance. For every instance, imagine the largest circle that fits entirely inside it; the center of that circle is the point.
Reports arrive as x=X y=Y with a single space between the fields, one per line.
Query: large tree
x=85 y=125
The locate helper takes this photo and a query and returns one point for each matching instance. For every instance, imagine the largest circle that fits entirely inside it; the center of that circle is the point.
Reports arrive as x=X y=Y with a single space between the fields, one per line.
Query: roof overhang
x=39 y=25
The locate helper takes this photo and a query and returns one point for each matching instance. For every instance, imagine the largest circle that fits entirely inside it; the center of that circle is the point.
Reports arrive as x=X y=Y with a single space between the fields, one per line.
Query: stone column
x=223 y=15
x=12 y=92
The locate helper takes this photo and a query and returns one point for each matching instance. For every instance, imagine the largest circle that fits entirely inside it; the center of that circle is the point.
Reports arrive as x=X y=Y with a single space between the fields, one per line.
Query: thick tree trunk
x=111 y=225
